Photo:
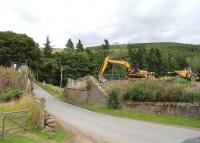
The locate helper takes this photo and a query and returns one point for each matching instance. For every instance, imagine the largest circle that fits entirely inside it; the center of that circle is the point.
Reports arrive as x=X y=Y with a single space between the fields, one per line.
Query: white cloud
x=93 y=20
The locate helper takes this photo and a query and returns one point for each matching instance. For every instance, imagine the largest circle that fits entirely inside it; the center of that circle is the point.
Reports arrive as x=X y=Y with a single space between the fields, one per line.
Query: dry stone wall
x=167 y=108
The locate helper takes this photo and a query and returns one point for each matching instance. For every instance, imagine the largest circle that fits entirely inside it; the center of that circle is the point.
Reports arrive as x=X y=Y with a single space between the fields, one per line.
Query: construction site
x=95 y=90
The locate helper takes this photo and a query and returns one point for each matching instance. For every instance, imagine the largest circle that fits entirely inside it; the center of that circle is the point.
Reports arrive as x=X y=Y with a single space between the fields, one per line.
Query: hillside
x=163 y=45
x=169 y=45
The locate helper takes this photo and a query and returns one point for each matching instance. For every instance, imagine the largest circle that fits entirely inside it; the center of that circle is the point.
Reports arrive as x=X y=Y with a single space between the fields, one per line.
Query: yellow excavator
x=133 y=71
x=186 y=74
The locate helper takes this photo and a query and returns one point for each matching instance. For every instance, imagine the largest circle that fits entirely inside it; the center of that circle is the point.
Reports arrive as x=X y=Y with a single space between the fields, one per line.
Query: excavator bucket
x=102 y=79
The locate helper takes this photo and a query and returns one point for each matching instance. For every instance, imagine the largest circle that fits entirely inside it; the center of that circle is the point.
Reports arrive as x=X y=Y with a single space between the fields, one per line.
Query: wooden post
x=61 y=76
x=112 y=72
x=26 y=124
x=3 y=128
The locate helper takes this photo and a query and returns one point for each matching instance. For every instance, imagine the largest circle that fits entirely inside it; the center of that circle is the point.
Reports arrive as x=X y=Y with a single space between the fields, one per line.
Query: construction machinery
x=186 y=74
x=133 y=71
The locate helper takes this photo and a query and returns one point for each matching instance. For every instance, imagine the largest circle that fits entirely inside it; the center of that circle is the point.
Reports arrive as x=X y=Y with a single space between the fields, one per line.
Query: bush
x=144 y=90
x=156 y=90
x=112 y=100
x=11 y=93
x=191 y=96
x=12 y=84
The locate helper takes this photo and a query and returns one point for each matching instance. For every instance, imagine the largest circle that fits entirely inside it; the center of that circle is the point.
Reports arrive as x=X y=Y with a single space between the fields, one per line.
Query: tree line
x=76 y=61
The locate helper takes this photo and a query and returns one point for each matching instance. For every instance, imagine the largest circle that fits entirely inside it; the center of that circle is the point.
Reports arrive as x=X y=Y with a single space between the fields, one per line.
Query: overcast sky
x=92 y=21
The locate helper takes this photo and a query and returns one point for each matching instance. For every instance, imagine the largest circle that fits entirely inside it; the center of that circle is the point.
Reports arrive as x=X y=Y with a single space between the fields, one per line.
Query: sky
x=119 y=21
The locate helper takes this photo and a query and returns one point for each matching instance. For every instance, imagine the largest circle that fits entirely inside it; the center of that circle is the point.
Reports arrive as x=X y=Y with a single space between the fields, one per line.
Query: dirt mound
x=84 y=90
x=88 y=89
x=120 y=84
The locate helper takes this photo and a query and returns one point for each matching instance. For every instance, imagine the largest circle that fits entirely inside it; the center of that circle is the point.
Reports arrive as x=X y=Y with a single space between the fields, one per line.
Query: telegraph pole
x=61 y=74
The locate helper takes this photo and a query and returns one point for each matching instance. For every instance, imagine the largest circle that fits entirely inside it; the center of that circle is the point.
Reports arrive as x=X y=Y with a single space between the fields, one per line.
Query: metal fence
x=11 y=122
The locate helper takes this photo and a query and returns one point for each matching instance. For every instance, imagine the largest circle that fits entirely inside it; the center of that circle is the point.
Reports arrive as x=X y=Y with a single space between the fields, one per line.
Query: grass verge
x=34 y=134
x=52 y=89
x=163 y=119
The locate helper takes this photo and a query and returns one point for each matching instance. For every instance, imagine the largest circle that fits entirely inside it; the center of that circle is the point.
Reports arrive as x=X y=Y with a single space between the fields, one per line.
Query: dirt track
x=197 y=84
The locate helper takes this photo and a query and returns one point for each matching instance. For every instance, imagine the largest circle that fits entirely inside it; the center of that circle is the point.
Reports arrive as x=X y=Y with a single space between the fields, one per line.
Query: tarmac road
x=109 y=129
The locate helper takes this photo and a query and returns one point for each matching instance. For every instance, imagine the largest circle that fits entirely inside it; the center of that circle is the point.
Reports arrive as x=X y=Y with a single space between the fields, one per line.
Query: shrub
x=144 y=90
x=156 y=90
x=191 y=96
x=12 y=84
x=112 y=99
x=11 y=93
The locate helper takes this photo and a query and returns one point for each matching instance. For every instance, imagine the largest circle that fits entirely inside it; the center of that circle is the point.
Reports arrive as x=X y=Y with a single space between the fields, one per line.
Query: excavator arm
x=108 y=61
x=133 y=71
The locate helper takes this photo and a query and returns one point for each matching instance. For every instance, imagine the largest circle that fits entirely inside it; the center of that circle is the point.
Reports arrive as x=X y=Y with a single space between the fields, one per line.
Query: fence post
x=26 y=124
x=3 y=128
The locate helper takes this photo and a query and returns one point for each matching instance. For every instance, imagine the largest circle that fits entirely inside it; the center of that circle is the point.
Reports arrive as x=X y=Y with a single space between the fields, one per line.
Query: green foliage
x=181 y=81
x=50 y=71
x=12 y=84
x=75 y=65
x=60 y=136
x=79 y=46
x=158 y=57
x=194 y=62
x=11 y=93
x=106 y=47
x=19 y=139
x=47 y=48
x=69 y=44
x=160 y=91
x=112 y=99
x=55 y=90
x=18 y=48
x=36 y=136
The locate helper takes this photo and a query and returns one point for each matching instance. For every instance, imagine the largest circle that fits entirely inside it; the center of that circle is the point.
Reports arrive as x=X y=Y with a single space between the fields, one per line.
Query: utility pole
x=61 y=74
x=112 y=71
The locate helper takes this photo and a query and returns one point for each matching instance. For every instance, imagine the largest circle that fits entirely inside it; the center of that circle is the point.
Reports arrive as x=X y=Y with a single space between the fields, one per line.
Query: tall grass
x=12 y=84
x=26 y=102
x=157 y=90
x=113 y=97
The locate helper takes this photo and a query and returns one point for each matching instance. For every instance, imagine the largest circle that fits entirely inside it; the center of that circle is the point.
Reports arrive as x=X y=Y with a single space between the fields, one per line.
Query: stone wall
x=177 y=109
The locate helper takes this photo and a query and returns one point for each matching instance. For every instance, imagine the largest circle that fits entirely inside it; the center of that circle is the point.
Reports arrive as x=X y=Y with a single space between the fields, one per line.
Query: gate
x=11 y=122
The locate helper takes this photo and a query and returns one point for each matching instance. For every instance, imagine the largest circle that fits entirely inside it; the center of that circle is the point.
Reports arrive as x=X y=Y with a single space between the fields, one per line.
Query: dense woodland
x=77 y=61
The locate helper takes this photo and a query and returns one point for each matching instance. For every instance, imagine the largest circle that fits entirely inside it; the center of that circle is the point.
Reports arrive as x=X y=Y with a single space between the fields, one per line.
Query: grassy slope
x=181 y=121
x=156 y=44
x=169 y=45
x=54 y=90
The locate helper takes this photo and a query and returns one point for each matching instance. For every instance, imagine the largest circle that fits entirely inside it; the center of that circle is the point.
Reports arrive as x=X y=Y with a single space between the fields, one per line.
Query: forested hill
x=158 y=57
x=166 y=45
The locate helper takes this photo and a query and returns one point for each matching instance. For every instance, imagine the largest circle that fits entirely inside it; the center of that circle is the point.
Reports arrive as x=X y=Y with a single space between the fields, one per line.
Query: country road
x=109 y=129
